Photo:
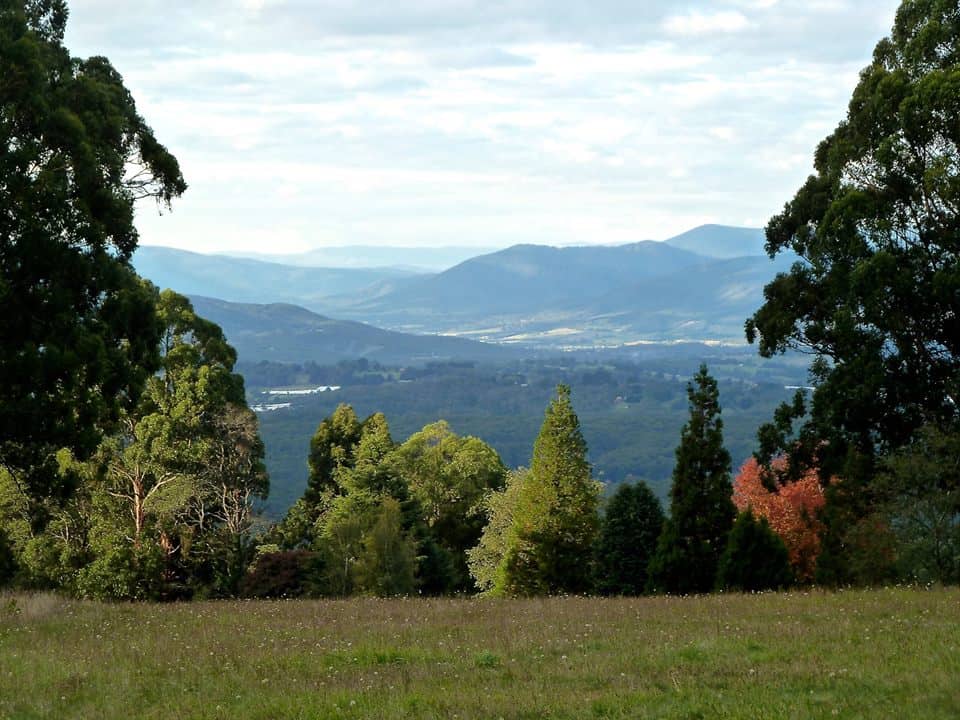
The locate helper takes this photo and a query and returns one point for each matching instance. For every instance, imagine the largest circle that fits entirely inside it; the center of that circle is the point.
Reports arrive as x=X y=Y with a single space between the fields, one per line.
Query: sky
x=302 y=124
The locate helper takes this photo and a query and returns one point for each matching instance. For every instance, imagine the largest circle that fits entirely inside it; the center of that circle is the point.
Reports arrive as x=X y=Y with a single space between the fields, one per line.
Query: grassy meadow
x=863 y=654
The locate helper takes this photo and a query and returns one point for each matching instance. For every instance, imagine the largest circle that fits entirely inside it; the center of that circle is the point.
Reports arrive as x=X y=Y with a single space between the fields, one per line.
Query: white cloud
x=406 y=122
x=702 y=23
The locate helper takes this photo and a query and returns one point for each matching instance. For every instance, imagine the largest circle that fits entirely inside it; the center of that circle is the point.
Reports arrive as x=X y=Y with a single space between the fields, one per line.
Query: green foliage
x=485 y=561
x=342 y=543
x=701 y=509
x=121 y=571
x=332 y=454
x=876 y=298
x=755 y=557
x=449 y=476
x=555 y=521
x=919 y=501
x=164 y=509
x=78 y=328
x=387 y=562
x=8 y=560
x=331 y=449
x=628 y=537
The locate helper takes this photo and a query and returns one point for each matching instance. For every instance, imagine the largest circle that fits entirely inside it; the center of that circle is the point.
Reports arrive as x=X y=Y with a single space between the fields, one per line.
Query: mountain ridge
x=284 y=332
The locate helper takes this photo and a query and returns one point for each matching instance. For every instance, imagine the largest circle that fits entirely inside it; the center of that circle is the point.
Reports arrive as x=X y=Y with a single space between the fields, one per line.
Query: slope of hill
x=707 y=301
x=721 y=241
x=582 y=296
x=288 y=333
x=429 y=259
x=523 y=280
x=245 y=280
x=700 y=285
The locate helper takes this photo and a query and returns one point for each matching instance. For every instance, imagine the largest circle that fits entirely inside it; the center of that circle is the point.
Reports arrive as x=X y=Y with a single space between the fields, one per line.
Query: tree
x=875 y=296
x=449 y=476
x=363 y=486
x=485 y=560
x=555 y=521
x=918 y=499
x=701 y=511
x=180 y=478
x=755 y=557
x=79 y=336
x=628 y=537
x=332 y=452
x=387 y=563
x=331 y=448
x=792 y=509
x=231 y=477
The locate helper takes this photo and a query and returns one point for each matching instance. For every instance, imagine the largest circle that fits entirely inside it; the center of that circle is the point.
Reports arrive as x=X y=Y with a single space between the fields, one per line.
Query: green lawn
x=873 y=654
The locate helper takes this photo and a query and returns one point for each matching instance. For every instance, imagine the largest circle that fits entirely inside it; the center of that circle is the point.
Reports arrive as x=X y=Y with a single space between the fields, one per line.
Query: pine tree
x=701 y=509
x=555 y=523
x=755 y=557
x=628 y=537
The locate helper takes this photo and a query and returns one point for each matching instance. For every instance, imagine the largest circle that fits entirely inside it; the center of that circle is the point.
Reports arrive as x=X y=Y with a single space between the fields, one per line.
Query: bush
x=755 y=557
x=286 y=574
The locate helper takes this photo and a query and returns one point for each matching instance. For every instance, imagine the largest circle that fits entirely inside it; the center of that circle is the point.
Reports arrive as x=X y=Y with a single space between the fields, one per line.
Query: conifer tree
x=701 y=509
x=628 y=537
x=755 y=557
x=555 y=523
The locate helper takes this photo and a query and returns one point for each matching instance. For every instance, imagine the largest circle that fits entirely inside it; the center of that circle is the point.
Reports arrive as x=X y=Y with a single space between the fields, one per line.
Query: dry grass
x=888 y=653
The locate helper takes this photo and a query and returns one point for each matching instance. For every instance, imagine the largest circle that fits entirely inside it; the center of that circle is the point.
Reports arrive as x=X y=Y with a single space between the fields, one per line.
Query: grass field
x=873 y=654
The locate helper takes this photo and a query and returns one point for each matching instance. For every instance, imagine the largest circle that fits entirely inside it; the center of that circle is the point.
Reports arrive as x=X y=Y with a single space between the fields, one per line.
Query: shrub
x=755 y=557
x=287 y=574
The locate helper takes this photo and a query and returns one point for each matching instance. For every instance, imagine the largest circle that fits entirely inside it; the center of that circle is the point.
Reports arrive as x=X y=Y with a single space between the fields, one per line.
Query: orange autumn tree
x=791 y=509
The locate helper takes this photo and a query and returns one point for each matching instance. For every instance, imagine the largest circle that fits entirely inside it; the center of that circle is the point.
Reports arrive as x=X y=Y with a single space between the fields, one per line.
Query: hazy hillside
x=581 y=296
x=288 y=333
x=700 y=285
x=245 y=280
x=525 y=279
x=431 y=259
x=721 y=241
x=709 y=300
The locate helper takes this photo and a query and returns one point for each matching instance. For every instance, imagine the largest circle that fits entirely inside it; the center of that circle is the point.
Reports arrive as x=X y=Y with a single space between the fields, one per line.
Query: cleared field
x=871 y=654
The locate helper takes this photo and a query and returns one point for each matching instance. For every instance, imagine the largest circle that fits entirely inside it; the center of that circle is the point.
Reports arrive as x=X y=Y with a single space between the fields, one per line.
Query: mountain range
x=698 y=286
x=285 y=333
x=246 y=280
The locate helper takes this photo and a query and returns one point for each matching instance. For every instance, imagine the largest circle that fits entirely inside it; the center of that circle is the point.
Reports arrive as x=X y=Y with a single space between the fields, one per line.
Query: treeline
x=129 y=461
x=441 y=514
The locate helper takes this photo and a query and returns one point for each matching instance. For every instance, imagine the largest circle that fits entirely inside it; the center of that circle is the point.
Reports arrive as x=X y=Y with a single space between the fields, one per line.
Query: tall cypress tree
x=555 y=523
x=701 y=508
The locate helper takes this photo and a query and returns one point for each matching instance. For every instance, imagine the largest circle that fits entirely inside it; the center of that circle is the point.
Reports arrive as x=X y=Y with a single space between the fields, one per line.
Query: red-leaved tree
x=791 y=509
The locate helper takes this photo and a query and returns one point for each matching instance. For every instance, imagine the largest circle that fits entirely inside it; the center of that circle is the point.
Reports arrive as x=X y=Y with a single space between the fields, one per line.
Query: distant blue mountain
x=525 y=280
x=700 y=285
x=721 y=241
x=287 y=333
x=420 y=259
x=246 y=280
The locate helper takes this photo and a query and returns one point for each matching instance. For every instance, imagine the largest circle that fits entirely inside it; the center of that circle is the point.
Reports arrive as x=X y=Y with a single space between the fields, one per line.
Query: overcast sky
x=303 y=124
